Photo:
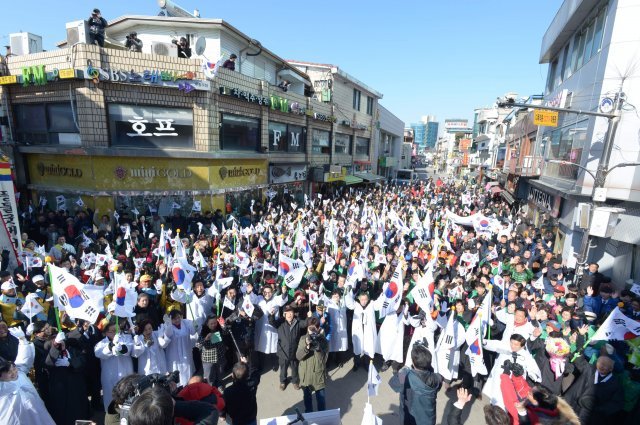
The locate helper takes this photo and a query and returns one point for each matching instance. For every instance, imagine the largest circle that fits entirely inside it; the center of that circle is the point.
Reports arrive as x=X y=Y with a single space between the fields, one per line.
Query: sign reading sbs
x=545 y=118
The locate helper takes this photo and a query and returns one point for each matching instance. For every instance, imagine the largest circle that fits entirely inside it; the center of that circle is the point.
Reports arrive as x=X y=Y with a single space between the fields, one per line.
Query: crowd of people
x=450 y=286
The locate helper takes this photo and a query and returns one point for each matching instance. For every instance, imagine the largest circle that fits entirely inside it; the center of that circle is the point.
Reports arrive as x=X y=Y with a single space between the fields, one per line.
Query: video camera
x=148 y=381
x=314 y=341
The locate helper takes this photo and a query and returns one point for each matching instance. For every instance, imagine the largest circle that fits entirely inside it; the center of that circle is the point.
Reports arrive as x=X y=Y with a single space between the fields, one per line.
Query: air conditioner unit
x=25 y=43
x=582 y=215
x=77 y=32
x=164 y=49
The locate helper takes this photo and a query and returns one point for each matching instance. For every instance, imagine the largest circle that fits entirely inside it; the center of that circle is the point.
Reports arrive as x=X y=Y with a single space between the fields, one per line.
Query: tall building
x=591 y=47
x=425 y=133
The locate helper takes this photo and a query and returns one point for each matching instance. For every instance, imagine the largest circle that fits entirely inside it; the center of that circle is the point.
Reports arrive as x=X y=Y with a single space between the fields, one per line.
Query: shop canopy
x=351 y=179
x=369 y=177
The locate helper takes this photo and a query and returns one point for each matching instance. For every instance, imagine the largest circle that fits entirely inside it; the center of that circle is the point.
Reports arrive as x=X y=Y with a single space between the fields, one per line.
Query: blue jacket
x=598 y=306
x=418 y=395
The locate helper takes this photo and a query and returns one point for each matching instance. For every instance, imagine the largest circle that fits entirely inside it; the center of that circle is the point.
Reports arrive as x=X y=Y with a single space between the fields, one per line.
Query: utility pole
x=603 y=170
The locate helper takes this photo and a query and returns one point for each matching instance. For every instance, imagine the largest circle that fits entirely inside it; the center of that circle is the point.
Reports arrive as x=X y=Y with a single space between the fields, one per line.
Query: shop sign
x=276 y=103
x=147 y=126
x=545 y=201
x=358 y=126
x=287 y=173
x=335 y=177
x=122 y=173
x=38 y=76
x=184 y=81
x=58 y=170
x=545 y=118
x=323 y=117
x=239 y=171
x=8 y=79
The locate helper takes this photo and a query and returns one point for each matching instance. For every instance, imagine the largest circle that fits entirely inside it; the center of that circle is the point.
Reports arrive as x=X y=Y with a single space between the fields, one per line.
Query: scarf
x=557 y=364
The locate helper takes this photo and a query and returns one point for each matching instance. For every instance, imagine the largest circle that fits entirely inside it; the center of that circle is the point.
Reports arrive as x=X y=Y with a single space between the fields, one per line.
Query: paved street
x=348 y=391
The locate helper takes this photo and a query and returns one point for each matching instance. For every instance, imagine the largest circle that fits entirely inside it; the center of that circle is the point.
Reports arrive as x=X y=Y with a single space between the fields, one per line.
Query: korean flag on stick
x=389 y=300
x=373 y=381
x=617 y=327
x=125 y=296
x=248 y=306
x=69 y=296
x=31 y=306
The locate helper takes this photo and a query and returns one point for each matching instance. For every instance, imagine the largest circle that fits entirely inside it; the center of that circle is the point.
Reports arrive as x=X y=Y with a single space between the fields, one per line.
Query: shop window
x=343 y=143
x=150 y=127
x=362 y=146
x=43 y=123
x=321 y=141
x=239 y=133
x=286 y=138
x=567 y=144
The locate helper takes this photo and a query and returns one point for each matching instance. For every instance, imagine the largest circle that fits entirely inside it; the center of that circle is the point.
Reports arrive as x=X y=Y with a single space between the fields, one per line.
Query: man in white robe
x=364 y=334
x=182 y=337
x=266 y=336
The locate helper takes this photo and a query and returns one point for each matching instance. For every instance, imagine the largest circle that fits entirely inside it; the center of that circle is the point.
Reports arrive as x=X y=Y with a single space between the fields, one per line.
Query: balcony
x=526 y=166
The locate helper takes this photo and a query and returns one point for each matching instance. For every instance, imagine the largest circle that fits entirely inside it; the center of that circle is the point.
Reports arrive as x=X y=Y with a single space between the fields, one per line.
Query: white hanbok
x=424 y=330
x=151 y=359
x=364 y=334
x=390 y=342
x=179 y=349
x=115 y=366
x=338 y=318
x=508 y=319
x=451 y=339
x=199 y=308
x=20 y=403
x=266 y=336
x=524 y=358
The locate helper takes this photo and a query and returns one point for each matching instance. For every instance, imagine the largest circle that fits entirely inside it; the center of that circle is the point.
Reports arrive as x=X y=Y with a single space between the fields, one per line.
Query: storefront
x=288 y=181
x=543 y=210
x=144 y=183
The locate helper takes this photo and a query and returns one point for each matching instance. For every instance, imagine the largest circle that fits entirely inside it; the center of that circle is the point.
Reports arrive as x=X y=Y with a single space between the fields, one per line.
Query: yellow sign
x=65 y=74
x=8 y=79
x=335 y=177
x=134 y=173
x=545 y=118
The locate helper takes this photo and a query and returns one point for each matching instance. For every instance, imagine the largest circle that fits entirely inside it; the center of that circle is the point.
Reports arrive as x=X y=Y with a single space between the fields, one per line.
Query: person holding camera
x=184 y=51
x=418 y=387
x=97 y=25
x=312 y=354
x=133 y=43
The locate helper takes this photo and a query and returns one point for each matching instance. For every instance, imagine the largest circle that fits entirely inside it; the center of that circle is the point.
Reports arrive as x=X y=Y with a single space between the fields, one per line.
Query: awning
x=369 y=177
x=495 y=189
x=507 y=197
x=350 y=179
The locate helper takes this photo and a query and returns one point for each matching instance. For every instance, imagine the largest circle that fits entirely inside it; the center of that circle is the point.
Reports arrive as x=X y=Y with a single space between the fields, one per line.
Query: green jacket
x=313 y=364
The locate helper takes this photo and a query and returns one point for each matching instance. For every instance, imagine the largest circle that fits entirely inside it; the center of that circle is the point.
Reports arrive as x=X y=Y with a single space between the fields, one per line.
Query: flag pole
x=48 y=261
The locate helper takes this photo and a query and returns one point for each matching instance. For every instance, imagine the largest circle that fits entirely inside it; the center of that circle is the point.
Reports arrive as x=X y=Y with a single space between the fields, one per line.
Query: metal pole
x=599 y=182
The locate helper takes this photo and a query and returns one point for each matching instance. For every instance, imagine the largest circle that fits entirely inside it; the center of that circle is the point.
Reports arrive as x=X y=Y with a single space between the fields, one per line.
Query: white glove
x=158 y=286
x=168 y=330
x=30 y=329
x=60 y=337
x=62 y=362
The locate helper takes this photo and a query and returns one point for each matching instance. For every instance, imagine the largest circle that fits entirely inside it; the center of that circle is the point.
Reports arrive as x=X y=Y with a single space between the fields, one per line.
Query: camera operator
x=155 y=406
x=184 y=51
x=133 y=43
x=97 y=24
x=312 y=354
x=130 y=389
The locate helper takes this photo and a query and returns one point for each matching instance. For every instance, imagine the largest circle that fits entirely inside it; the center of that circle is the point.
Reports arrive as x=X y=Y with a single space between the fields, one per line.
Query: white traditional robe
x=390 y=342
x=448 y=349
x=179 y=349
x=423 y=330
x=266 y=336
x=509 y=320
x=338 y=318
x=114 y=365
x=20 y=403
x=363 y=330
x=199 y=308
x=151 y=359
x=492 y=387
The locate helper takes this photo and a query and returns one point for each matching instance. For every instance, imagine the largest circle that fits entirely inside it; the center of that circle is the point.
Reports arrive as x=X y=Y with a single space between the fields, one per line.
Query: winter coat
x=289 y=337
x=418 y=391
x=313 y=364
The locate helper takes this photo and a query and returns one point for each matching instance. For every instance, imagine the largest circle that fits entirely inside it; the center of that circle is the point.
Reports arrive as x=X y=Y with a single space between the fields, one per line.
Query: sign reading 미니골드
x=545 y=118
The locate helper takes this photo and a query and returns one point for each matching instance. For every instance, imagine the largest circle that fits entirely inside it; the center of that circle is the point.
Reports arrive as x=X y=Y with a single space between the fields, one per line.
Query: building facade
x=425 y=133
x=391 y=139
x=591 y=47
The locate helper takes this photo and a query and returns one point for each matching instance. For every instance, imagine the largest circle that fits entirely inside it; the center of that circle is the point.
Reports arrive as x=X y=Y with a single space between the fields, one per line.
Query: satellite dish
x=201 y=44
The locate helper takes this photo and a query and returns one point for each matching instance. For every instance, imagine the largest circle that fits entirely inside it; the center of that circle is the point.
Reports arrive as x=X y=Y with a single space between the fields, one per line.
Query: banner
x=10 y=231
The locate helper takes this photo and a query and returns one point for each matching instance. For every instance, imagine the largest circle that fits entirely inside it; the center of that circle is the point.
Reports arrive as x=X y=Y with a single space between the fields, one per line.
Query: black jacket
x=288 y=338
x=240 y=403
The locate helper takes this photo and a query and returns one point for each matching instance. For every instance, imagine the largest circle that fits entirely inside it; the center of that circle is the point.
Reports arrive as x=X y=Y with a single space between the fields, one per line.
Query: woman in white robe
x=148 y=348
x=20 y=402
x=266 y=336
x=200 y=305
x=338 y=318
x=505 y=351
x=364 y=334
x=114 y=352
x=390 y=342
x=181 y=337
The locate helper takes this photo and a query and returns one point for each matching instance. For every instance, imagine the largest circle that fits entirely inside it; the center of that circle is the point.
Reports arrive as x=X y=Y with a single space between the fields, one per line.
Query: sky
x=427 y=57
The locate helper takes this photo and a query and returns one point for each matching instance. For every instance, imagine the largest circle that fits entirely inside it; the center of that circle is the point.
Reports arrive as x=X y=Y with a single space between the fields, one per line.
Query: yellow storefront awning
x=351 y=179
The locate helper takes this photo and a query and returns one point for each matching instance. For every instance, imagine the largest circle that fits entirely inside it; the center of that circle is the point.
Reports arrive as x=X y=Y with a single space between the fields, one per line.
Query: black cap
x=96 y=10
x=233 y=56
